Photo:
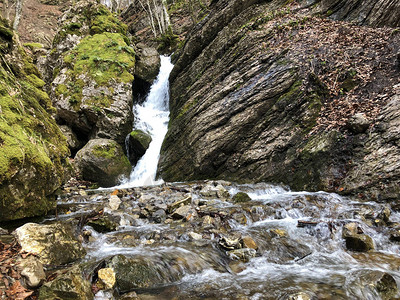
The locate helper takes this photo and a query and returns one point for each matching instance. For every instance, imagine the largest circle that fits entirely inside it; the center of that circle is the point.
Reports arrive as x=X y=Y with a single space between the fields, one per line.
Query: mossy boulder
x=241 y=197
x=138 y=143
x=33 y=150
x=103 y=161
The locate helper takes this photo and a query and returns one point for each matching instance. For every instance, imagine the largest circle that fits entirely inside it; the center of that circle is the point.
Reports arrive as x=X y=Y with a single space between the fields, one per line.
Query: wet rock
x=138 y=143
x=383 y=283
x=241 y=197
x=3 y=231
x=383 y=216
x=68 y=285
x=185 y=201
x=103 y=224
x=102 y=161
x=195 y=236
x=243 y=254
x=183 y=212
x=229 y=243
x=132 y=273
x=107 y=278
x=355 y=239
x=248 y=242
x=114 y=202
x=54 y=244
x=31 y=270
x=358 y=123
x=214 y=191
x=159 y=216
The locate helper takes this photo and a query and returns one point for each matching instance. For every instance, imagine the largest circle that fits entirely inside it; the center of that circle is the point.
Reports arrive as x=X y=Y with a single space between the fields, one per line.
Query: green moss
x=32 y=46
x=36 y=81
x=61 y=89
x=106 y=151
x=103 y=63
x=143 y=138
x=241 y=197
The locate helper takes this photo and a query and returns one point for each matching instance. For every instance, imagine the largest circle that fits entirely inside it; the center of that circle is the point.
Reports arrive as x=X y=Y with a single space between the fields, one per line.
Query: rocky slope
x=271 y=91
x=33 y=150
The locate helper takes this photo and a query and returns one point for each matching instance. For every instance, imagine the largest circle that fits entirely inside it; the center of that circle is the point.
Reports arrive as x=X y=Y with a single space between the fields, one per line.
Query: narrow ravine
x=152 y=117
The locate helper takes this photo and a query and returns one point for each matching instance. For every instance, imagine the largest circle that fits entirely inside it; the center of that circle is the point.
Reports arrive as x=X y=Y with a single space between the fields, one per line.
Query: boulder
x=241 y=197
x=54 y=244
x=138 y=143
x=103 y=161
x=131 y=273
x=69 y=285
x=355 y=239
x=358 y=123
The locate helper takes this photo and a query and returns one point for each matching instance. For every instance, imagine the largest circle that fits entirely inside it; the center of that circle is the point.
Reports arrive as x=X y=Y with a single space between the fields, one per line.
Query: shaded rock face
x=32 y=147
x=102 y=161
x=90 y=73
x=251 y=100
x=370 y=12
x=53 y=244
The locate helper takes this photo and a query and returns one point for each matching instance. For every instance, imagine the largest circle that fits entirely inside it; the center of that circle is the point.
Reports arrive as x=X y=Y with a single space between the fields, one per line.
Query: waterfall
x=152 y=117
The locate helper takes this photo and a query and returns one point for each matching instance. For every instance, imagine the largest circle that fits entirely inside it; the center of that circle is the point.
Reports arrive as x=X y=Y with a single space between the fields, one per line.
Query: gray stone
x=54 y=244
x=147 y=63
x=31 y=270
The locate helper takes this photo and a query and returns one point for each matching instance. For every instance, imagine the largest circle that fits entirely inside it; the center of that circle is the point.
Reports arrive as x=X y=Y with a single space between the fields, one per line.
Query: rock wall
x=33 y=150
x=267 y=91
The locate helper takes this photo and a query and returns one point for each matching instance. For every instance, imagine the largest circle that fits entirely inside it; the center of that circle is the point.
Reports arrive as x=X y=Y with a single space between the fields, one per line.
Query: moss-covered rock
x=91 y=74
x=69 y=284
x=241 y=197
x=32 y=148
x=138 y=143
x=102 y=161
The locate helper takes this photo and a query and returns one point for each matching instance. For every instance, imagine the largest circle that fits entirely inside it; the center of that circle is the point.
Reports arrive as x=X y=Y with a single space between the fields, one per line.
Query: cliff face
x=33 y=150
x=269 y=91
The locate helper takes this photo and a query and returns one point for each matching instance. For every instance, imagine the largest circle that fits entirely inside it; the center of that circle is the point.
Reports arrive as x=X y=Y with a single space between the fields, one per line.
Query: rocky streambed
x=211 y=240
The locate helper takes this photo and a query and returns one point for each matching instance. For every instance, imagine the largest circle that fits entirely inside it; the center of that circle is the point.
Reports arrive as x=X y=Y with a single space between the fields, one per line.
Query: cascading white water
x=152 y=117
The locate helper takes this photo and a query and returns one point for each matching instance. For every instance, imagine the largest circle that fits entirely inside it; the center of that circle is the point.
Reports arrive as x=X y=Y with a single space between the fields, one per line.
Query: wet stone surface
x=196 y=240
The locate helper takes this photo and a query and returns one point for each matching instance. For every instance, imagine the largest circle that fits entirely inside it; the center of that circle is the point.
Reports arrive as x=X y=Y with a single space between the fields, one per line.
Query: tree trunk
x=18 y=12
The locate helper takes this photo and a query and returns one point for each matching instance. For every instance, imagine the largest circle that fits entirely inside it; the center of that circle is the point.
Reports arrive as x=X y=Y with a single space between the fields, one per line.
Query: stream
x=198 y=241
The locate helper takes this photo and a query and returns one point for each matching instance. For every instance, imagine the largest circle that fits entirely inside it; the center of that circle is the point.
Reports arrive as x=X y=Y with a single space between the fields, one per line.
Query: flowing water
x=152 y=117
x=298 y=236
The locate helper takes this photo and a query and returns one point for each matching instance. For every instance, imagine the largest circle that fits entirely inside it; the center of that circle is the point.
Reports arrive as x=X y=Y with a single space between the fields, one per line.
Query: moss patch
x=102 y=57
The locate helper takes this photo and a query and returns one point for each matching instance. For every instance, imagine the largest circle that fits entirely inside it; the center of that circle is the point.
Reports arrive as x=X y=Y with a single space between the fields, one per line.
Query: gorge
x=275 y=174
